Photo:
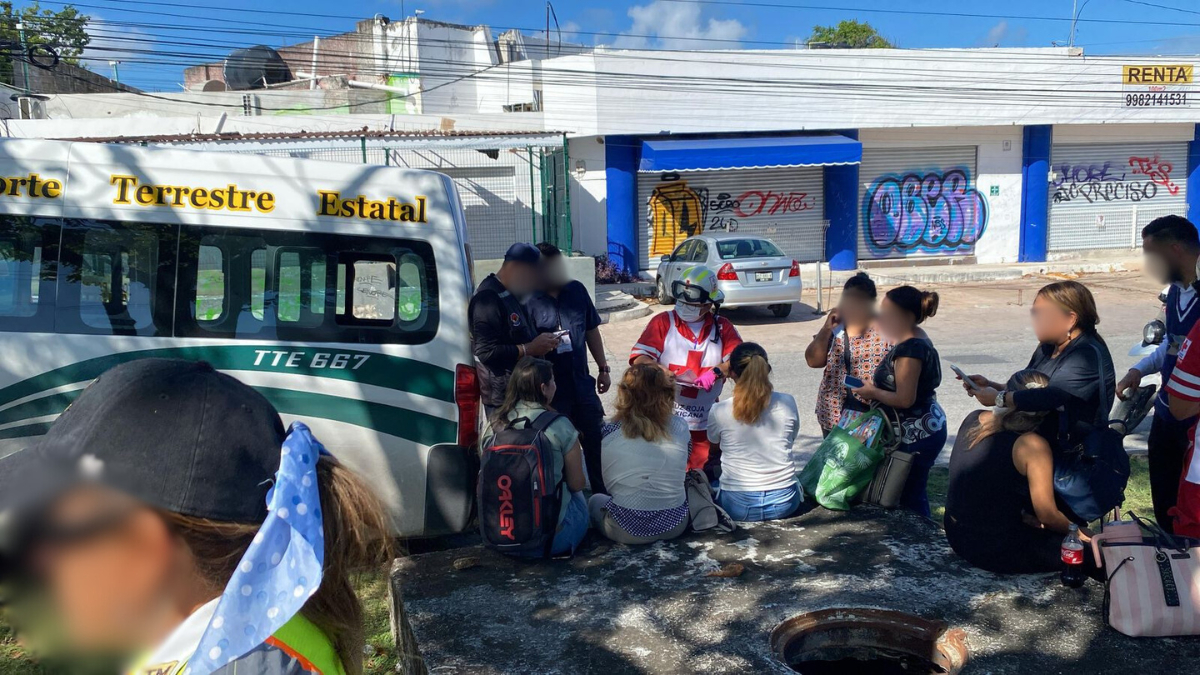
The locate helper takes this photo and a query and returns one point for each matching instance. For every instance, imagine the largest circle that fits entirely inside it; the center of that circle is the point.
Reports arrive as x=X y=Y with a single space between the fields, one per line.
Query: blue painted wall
x=1035 y=187
x=1193 y=177
x=841 y=209
x=621 y=157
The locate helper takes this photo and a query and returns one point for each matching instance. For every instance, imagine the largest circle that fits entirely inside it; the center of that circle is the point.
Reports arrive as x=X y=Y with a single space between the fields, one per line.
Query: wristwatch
x=605 y=369
x=1001 y=398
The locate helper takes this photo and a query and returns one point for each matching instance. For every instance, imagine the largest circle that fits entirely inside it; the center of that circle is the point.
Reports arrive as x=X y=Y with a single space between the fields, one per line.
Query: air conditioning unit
x=32 y=108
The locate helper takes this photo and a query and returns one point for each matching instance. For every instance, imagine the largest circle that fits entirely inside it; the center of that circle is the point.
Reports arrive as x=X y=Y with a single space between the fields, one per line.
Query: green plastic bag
x=843 y=466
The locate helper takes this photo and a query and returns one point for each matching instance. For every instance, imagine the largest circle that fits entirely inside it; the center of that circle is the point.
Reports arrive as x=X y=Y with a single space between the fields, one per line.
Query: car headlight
x=1153 y=332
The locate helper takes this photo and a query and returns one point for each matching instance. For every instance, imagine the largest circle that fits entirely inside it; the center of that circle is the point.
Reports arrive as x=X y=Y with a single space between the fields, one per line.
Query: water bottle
x=1072 y=559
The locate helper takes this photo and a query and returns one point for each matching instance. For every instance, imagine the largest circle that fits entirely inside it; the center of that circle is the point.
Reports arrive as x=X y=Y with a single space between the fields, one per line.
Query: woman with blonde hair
x=1002 y=514
x=751 y=436
x=644 y=458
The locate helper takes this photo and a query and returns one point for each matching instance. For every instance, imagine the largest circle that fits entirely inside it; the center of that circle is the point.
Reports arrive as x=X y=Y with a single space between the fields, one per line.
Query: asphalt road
x=982 y=328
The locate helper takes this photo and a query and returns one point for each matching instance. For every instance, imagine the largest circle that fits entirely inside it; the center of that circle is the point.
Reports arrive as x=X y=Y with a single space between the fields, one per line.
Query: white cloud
x=678 y=26
x=112 y=43
x=1001 y=33
x=570 y=31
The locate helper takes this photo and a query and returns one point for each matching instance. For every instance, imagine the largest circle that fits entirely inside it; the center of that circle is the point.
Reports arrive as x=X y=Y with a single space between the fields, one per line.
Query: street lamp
x=1075 y=19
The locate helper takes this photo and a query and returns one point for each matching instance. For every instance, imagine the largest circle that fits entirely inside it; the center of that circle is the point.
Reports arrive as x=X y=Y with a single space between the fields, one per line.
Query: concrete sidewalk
x=661 y=608
x=971 y=273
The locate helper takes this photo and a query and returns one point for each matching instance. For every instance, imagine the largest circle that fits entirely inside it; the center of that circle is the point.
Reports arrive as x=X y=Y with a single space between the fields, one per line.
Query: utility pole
x=116 y=67
x=1075 y=19
x=24 y=56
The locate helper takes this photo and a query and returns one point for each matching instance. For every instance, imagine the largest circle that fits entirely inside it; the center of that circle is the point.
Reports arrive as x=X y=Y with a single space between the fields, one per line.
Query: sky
x=154 y=39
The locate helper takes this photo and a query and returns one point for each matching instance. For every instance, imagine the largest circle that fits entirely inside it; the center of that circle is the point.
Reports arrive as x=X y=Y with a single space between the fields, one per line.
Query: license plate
x=763 y=276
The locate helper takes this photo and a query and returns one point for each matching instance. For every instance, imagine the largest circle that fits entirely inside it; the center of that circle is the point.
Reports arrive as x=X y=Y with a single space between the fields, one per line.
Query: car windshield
x=747 y=247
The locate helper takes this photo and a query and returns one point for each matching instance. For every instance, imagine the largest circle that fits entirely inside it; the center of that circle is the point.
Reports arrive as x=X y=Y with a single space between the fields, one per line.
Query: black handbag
x=1091 y=477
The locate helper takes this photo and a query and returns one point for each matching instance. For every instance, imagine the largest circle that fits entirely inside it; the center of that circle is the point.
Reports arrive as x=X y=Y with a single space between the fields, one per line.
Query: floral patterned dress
x=866 y=352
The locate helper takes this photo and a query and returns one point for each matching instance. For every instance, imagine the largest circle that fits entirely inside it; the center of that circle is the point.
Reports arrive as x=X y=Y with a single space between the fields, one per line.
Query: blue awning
x=678 y=155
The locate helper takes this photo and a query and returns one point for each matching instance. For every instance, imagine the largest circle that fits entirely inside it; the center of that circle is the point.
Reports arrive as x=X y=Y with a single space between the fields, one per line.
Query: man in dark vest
x=1171 y=246
x=501 y=332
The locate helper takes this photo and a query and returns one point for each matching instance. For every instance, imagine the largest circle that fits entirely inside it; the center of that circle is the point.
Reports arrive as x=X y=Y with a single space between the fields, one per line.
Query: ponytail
x=752 y=387
x=356 y=538
x=922 y=304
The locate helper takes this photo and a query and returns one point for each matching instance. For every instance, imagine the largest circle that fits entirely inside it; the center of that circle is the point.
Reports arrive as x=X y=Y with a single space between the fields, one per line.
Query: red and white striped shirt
x=1185 y=384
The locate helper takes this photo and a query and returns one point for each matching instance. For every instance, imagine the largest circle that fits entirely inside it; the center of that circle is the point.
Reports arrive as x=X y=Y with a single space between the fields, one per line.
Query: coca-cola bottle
x=1072 y=559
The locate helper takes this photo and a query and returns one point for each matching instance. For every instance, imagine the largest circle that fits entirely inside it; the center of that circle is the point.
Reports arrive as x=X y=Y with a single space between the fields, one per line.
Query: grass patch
x=372 y=588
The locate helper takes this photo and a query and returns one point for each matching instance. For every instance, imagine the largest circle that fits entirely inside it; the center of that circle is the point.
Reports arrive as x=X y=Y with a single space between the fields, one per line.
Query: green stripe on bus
x=31 y=430
x=399 y=422
x=49 y=405
x=382 y=370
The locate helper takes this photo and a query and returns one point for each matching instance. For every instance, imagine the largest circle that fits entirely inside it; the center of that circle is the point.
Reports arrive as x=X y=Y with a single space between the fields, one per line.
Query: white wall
x=995 y=166
x=589 y=222
x=640 y=92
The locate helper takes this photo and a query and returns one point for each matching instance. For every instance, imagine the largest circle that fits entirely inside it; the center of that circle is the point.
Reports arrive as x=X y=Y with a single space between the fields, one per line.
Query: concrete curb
x=637 y=311
x=985 y=273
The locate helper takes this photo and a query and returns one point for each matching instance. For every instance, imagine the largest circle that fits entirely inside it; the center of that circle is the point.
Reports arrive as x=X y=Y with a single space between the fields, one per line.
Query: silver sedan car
x=751 y=271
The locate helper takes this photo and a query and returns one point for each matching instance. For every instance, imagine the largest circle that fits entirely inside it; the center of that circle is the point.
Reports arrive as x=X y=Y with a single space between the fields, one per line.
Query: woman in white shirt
x=644 y=458
x=752 y=435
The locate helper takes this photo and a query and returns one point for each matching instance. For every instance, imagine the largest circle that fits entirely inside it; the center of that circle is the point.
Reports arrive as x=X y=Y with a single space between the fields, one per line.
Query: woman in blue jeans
x=906 y=381
x=751 y=438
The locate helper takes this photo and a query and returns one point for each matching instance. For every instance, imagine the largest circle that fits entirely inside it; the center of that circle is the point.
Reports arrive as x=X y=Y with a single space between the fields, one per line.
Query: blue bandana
x=281 y=569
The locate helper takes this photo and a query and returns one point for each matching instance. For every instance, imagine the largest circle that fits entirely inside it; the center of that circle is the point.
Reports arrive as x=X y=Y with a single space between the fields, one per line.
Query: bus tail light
x=466 y=397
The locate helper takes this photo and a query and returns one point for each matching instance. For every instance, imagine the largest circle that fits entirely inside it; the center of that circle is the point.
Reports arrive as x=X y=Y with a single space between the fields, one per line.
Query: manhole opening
x=847 y=641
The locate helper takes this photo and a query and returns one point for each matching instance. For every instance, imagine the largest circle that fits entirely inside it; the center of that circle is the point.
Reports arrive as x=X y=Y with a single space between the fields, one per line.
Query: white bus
x=339 y=291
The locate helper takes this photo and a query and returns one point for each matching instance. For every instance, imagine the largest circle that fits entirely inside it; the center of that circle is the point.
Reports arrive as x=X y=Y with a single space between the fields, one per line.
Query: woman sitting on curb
x=751 y=437
x=644 y=458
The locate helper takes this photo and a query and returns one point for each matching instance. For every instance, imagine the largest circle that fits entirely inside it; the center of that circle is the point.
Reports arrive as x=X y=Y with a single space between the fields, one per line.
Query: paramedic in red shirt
x=694 y=343
x=1183 y=395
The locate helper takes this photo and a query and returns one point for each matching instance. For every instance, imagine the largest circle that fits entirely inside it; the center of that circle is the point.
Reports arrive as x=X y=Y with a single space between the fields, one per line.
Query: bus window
x=410 y=294
x=110 y=278
x=210 y=284
x=27 y=272
x=307 y=287
x=300 y=285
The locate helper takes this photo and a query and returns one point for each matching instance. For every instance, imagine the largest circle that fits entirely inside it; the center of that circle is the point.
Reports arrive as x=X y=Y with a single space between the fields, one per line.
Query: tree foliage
x=63 y=30
x=849 y=34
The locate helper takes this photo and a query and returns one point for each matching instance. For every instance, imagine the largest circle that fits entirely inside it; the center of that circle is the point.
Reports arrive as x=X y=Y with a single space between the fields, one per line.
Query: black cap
x=523 y=253
x=176 y=435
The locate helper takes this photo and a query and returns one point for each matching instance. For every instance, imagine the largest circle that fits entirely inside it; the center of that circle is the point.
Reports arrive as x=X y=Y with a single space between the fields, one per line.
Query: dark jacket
x=498 y=325
x=1082 y=387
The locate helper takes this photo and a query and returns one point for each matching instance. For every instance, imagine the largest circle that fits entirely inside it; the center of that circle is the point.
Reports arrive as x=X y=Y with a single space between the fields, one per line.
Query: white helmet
x=697 y=285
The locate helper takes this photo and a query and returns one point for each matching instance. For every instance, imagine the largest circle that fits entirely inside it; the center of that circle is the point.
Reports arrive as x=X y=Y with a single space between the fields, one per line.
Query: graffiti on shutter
x=932 y=212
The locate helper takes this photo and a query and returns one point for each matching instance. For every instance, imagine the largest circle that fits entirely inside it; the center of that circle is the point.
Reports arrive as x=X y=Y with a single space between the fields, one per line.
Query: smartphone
x=963 y=376
x=559 y=334
x=852 y=382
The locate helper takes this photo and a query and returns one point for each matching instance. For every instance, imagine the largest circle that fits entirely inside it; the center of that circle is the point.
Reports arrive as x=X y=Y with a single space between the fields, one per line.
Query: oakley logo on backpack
x=517 y=496
x=506 y=506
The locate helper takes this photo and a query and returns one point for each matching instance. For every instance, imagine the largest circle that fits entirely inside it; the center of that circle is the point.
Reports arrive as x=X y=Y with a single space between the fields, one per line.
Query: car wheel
x=781 y=311
x=664 y=298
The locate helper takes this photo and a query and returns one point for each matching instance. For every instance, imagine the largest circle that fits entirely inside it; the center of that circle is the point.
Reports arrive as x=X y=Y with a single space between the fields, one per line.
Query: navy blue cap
x=523 y=253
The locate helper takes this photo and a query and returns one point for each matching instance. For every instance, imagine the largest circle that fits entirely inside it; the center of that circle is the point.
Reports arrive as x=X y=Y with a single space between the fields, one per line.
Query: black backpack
x=517 y=498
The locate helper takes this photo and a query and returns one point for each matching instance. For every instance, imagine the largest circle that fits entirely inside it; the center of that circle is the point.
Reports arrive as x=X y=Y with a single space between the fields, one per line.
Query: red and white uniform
x=689 y=350
x=1185 y=384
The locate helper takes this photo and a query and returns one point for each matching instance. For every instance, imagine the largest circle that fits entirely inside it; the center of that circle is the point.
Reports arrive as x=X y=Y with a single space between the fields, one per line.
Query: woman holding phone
x=849 y=345
x=906 y=381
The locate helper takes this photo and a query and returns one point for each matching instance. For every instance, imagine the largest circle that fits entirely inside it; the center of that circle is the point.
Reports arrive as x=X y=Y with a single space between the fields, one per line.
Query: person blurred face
x=894 y=323
x=1165 y=261
x=1051 y=323
x=523 y=279
x=106 y=561
x=554 y=273
x=856 y=309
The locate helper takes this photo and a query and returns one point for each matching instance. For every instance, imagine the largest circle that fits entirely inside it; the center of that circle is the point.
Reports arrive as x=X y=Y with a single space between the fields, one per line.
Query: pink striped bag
x=1153 y=585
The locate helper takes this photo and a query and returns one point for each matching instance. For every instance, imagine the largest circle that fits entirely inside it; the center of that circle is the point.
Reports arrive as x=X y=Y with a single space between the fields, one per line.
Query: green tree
x=849 y=34
x=64 y=31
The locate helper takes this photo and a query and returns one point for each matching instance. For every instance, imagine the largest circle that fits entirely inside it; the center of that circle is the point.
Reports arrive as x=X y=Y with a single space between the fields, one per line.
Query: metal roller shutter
x=919 y=203
x=785 y=205
x=1101 y=195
